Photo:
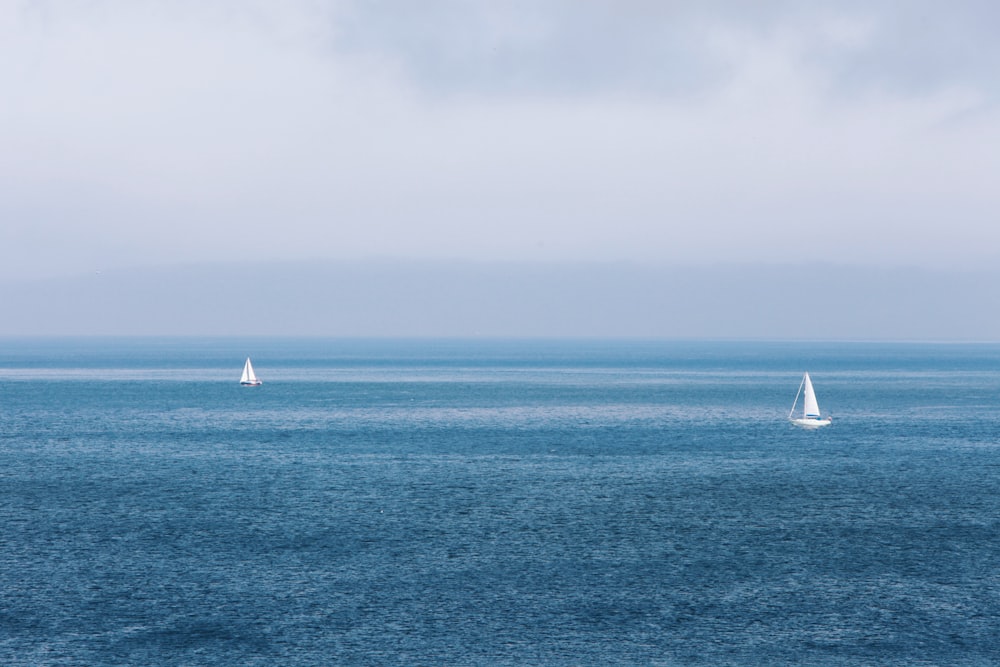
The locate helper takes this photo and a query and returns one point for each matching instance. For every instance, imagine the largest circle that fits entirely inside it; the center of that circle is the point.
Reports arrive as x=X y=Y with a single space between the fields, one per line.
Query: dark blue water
x=497 y=503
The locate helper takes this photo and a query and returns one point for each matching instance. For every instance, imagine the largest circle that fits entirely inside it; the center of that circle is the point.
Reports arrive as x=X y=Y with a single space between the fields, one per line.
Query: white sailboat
x=811 y=417
x=249 y=378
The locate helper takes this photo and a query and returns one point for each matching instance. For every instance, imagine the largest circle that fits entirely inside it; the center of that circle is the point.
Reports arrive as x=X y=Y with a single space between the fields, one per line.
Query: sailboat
x=810 y=408
x=249 y=378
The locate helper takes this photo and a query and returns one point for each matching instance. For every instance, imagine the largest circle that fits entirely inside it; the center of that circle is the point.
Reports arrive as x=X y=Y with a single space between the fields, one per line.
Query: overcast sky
x=155 y=132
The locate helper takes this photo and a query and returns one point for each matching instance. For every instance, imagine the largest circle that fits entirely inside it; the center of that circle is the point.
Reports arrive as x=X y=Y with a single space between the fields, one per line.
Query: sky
x=148 y=133
x=473 y=299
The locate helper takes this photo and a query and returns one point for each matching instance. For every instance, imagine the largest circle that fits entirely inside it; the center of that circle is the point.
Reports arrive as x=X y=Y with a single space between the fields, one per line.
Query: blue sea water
x=497 y=503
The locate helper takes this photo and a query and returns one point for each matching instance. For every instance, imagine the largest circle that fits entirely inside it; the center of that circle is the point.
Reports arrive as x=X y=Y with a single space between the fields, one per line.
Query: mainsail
x=811 y=406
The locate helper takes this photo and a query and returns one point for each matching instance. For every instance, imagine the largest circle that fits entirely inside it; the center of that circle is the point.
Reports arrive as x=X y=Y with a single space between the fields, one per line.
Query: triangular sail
x=248 y=375
x=811 y=406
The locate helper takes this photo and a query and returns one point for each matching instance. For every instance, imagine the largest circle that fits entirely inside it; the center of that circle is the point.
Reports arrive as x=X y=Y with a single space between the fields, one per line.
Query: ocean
x=497 y=502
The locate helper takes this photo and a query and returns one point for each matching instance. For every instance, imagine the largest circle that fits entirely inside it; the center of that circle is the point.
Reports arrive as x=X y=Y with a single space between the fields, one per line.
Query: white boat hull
x=812 y=423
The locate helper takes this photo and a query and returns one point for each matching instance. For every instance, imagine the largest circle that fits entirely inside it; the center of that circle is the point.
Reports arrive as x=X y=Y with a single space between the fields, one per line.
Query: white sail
x=811 y=406
x=249 y=377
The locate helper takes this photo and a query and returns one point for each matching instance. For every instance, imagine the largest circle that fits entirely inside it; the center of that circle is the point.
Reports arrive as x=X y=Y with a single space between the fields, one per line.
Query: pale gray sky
x=158 y=132
x=437 y=298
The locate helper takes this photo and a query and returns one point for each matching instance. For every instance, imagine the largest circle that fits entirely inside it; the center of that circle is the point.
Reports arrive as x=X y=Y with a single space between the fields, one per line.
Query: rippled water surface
x=497 y=503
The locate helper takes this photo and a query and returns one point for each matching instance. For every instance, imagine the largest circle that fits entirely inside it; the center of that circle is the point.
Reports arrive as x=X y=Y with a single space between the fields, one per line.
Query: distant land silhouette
x=512 y=299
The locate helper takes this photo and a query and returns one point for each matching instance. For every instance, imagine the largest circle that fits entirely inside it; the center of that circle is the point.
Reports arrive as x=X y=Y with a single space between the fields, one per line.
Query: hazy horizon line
x=390 y=261
x=530 y=300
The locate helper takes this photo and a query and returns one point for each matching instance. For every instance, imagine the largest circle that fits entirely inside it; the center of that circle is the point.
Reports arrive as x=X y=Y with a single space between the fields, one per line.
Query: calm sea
x=497 y=503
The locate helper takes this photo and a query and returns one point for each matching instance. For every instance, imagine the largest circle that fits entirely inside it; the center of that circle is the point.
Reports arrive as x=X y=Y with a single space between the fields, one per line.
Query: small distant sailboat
x=249 y=378
x=810 y=407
